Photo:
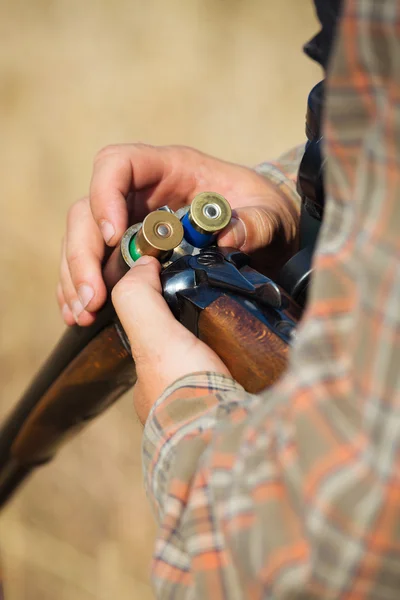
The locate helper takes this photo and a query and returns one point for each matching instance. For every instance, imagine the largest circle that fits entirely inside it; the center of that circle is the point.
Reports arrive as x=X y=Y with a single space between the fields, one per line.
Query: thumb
x=251 y=228
x=142 y=310
x=162 y=348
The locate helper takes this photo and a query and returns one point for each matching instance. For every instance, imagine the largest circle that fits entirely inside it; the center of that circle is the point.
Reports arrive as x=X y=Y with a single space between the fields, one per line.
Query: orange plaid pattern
x=295 y=492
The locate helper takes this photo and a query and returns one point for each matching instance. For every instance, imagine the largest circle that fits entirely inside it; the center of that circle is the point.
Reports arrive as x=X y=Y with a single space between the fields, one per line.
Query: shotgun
x=244 y=316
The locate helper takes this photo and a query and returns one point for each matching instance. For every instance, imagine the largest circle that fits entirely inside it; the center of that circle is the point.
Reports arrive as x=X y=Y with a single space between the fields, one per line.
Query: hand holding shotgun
x=226 y=317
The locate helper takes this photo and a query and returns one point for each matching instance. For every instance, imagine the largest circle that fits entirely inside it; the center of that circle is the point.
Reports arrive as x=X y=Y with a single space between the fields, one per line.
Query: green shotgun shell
x=133 y=251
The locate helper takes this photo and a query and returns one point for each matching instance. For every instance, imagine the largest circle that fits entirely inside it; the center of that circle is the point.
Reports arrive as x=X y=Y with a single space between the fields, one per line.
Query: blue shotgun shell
x=208 y=214
x=195 y=237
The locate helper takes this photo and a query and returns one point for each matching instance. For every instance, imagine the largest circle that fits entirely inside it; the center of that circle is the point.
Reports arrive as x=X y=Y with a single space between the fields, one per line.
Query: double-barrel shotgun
x=244 y=316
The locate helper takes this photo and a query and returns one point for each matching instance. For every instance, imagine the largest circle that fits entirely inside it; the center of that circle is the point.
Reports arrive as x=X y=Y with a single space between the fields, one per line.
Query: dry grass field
x=225 y=76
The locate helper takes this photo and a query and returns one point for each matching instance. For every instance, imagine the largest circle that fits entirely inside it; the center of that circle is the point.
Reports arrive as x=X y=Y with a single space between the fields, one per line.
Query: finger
x=117 y=171
x=81 y=316
x=84 y=249
x=141 y=308
x=162 y=348
x=250 y=229
x=64 y=309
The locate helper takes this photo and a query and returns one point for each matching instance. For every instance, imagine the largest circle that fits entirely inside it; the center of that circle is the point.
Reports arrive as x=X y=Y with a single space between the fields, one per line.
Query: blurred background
x=225 y=76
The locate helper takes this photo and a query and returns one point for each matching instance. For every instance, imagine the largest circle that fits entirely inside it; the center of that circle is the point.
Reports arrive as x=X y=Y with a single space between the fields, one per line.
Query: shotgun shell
x=209 y=213
x=160 y=233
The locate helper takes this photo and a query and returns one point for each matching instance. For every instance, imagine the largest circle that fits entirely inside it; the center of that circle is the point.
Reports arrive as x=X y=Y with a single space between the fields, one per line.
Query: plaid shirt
x=295 y=492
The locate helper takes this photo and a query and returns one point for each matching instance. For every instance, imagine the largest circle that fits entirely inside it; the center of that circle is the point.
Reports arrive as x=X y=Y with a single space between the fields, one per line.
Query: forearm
x=225 y=474
x=187 y=409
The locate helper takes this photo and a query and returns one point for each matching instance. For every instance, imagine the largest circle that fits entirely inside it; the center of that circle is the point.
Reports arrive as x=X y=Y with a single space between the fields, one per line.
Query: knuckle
x=120 y=149
x=107 y=151
x=179 y=148
x=117 y=292
x=83 y=202
x=142 y=360
x=142 y=146
x=76 y=209
x=184 y=153
x=74 y=260
x=124 y=287
x=262 y=225
x=150 y=263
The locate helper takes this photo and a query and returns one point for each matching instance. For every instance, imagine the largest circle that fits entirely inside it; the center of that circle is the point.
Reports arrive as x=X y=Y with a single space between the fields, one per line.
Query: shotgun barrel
x=88 y=370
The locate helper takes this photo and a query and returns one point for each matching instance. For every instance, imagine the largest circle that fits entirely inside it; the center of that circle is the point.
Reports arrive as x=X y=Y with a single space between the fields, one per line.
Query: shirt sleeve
x=294 y=493
x=283 y=173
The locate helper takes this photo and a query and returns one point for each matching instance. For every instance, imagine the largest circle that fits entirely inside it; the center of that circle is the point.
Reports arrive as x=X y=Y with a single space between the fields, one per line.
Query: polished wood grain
x=97 y=377
x=255 y=355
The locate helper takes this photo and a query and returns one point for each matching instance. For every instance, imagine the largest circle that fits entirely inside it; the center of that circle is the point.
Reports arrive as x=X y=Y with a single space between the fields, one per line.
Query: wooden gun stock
x=253 y=353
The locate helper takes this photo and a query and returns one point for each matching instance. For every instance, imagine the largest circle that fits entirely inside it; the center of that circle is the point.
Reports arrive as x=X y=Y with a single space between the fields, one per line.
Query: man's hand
x=162 y=348
x=128 y=181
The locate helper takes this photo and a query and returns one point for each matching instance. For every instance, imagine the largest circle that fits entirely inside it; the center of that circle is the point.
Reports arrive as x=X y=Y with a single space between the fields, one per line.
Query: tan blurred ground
x=226 y=76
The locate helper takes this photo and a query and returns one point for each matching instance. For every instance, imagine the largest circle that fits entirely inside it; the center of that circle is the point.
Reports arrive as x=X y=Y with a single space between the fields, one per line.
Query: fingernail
x=143 y=260
x=234 y=235
x=85 y=293
x=107 y=230
x=239 y=233
x=76 y=309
